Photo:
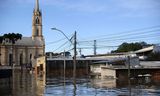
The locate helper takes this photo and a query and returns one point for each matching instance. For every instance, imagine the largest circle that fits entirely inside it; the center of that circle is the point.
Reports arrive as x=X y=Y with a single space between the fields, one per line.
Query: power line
x=61 y=46
x=97 y=47
x=133 y=38
x=138 y=38
x=131 y=31
x=124 y=35
x=133 y=34
x=49 y=43
x=66 y=47
x=54 y=42
x=104 y=47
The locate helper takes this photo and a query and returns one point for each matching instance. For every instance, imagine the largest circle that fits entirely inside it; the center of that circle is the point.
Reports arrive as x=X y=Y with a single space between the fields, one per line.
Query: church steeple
x=37 y=22
x=37 y=5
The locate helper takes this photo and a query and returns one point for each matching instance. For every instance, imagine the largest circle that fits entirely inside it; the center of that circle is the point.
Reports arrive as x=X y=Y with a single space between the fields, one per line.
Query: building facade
x=26 y=50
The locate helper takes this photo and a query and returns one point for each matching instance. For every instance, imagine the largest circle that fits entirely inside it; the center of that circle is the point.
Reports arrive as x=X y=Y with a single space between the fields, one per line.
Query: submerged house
x=109 y=68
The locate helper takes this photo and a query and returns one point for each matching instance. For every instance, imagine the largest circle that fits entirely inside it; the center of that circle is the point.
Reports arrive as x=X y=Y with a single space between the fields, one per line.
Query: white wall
x=105 y=72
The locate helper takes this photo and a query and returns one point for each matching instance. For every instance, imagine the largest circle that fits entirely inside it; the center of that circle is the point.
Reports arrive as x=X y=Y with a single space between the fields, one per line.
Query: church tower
x=37 y=23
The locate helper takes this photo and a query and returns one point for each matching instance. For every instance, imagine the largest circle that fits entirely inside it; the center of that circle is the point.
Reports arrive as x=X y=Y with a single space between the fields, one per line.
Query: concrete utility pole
x=64 y=66
x=74 y=59
x=128 y=67
x=95 y=47
x=129 y=75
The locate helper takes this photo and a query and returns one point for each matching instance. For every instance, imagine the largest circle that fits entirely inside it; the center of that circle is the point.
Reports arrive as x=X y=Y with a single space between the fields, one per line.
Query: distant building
x=24 y=51
x=143 y=53
x=58 y=55
x=53 y=55
x=108 y=67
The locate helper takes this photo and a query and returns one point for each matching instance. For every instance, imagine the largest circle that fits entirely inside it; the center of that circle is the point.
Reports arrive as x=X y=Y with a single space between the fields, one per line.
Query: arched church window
x=37 y=20
x=30 y=62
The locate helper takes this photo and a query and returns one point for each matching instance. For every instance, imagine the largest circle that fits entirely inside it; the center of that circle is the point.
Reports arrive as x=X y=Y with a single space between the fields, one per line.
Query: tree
x=12 y=37
x=126 y=47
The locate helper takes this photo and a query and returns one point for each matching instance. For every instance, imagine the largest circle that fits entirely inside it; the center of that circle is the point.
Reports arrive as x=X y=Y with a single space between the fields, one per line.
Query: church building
x=26 y=50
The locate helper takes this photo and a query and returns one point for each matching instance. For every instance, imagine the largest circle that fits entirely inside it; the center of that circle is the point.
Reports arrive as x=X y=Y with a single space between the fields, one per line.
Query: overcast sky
x=92 y=19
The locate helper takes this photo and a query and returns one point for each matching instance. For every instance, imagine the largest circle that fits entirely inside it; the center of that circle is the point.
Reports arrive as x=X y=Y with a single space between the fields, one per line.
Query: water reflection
x=5 y=87
x=25 y=84
x=100 y=87
x=22 y=84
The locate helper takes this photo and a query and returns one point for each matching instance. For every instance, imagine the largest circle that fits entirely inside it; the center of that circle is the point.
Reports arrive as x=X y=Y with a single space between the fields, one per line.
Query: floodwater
x=99 y=87
x=26 y=84
x=22 y=83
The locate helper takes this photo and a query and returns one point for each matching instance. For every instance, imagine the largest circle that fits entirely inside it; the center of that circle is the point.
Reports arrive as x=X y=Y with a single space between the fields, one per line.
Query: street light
x=74 y=59
x=62 y=33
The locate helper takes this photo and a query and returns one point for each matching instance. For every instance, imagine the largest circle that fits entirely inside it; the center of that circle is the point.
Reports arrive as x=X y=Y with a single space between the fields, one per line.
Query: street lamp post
x=74 y=57
x=62 y=33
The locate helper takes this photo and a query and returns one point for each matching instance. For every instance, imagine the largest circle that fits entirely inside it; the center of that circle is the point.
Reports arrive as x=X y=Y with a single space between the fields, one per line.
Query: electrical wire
x=124 y=35
x=60 y=46
x=128 y=32
x=143 y=34
x=54 y=42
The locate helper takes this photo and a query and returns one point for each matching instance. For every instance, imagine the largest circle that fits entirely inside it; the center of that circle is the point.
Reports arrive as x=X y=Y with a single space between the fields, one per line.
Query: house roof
x=110 y=60
x=28 y=41
x=145 y=49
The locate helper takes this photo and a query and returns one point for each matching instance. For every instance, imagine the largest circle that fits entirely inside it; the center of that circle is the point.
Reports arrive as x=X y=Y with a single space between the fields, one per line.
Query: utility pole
x=64 y=66
x=129 y=75
x=95 y=47
x=128 y=67
x=74 y=59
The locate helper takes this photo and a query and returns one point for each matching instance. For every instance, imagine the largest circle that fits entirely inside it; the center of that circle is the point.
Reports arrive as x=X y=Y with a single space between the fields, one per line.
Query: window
x=10 y=59
x=30 y=56
x=37 y=20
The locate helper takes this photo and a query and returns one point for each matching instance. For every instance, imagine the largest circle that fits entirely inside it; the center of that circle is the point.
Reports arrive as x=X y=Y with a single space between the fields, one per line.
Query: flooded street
x=22 y=83
x=98 y=87
x=26 y=84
